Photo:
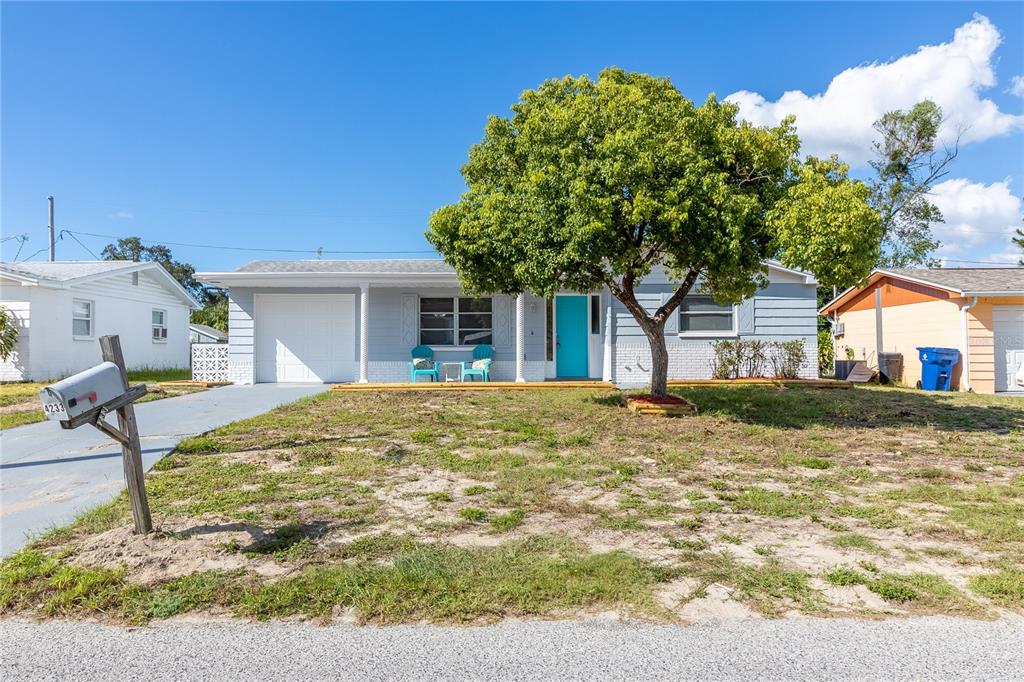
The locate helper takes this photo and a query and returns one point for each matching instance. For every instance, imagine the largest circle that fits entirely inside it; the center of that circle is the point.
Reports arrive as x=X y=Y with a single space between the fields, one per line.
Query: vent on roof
x=135 y=279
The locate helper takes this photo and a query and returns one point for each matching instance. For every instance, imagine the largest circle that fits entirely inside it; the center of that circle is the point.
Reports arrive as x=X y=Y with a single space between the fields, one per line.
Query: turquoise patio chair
x=423 y=365
x=483 y=356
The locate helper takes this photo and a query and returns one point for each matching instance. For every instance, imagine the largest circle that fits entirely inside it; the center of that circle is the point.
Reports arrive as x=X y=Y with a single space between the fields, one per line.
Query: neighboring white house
x=62 y=308
x=202 y=333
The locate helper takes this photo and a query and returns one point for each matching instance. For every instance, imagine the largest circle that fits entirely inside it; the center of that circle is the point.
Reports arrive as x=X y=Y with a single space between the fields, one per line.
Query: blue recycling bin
x=937 y=367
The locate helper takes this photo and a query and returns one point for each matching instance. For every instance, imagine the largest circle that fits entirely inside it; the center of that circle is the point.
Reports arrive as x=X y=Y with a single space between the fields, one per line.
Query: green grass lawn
x=19 y=401
x=468 y=507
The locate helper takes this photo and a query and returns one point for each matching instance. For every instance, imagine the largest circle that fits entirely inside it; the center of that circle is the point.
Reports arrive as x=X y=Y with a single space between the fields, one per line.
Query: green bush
x=787 y=358
x=826 y=353
x=750 y=357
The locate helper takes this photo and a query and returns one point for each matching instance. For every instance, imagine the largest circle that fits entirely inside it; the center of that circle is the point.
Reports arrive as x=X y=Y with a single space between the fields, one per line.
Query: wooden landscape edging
x=683 y=409
x=190 y=383
x=473 y=386
x=808 y=383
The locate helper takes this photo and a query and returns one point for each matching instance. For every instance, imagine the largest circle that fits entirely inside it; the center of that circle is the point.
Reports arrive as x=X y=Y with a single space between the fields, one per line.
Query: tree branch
x=673 y=302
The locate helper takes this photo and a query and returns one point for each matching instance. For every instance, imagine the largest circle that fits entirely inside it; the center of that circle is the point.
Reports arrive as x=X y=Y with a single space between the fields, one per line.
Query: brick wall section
x=631 y=364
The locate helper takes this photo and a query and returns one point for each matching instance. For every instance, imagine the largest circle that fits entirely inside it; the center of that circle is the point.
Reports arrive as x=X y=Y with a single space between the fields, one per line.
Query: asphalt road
x=49 y=475
x=804 y=649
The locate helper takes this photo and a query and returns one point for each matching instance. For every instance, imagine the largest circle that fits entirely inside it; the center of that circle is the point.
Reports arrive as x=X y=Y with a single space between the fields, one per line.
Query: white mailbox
x=82 y=392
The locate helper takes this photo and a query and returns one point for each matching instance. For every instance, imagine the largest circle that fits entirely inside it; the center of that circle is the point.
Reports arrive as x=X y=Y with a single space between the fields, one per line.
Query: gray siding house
x=358 y=320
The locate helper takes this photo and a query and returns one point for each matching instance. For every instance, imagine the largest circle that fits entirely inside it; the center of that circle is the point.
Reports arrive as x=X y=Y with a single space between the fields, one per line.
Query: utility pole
x=53 y=239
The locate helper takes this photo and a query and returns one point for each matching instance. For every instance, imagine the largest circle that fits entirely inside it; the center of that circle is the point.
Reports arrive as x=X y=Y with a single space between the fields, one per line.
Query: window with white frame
x=81 y=318
x=456 y=321
x=700 y=314
x=159 y=325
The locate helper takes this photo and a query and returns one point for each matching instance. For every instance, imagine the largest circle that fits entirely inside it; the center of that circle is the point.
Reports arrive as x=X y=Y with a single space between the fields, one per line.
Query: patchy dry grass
x=467 y=507
x=19 y=400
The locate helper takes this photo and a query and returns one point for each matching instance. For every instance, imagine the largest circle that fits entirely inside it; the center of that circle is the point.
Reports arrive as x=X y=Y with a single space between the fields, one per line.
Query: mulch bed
x=668 y=406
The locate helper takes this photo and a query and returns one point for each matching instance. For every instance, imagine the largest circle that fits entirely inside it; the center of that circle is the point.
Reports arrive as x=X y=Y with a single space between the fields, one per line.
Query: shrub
x=728 y=359
x=826 y=353
x=8 y=334
x=787 y=358
x=755 y=357
x=750 y=357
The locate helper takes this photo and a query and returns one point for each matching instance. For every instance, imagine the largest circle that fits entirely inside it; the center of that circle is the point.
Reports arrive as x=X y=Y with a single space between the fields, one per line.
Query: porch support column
x=606 y=367
x=520 y=337
x=879 y=348
x=364 y=332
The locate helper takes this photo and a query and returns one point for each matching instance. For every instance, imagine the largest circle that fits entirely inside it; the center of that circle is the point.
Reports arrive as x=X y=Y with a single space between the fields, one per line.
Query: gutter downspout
x=965 y=374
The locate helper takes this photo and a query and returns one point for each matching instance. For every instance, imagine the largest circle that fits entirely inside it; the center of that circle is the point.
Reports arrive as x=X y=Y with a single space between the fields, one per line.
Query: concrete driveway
x=49 y=475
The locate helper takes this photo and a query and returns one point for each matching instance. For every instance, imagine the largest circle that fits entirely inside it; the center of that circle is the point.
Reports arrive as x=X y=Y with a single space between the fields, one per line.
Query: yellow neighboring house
x=978 y=311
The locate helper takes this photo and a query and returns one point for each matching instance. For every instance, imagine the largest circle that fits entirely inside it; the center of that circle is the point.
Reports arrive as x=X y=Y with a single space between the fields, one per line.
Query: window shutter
x=672 y=323
x=745 y=313
x=502 y=323
x=410 y=325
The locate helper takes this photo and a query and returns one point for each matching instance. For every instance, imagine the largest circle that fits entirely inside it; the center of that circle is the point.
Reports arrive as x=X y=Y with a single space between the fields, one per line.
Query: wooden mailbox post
x=126 y=433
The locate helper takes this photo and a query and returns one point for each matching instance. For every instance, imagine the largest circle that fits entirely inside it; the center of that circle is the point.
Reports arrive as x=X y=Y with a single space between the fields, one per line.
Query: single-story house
x=978 y=311
x=63 y=307
x=203 y=333
x=358 y=320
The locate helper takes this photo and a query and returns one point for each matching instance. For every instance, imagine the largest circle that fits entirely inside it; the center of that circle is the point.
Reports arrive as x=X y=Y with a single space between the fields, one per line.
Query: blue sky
x=342 y=126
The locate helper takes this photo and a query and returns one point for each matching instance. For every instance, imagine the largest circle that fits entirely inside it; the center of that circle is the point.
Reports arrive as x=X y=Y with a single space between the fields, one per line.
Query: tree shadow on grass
x=798 y=408
x=264 y=541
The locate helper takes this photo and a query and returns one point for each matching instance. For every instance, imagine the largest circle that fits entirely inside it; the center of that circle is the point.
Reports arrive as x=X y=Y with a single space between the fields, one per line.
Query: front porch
x=472 y=386
x=344 y=322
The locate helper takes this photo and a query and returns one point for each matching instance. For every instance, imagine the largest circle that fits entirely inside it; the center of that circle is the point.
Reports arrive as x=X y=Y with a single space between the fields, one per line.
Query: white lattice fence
x=210 y=362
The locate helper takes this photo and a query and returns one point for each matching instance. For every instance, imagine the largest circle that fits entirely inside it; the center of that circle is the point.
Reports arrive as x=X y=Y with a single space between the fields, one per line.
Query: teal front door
x=571 y=336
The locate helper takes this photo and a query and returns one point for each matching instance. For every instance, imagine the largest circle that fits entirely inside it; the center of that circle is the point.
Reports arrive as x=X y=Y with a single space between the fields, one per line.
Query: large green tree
x=909 y=161
x=596 y=183
x=132 y=248
x=214 y=311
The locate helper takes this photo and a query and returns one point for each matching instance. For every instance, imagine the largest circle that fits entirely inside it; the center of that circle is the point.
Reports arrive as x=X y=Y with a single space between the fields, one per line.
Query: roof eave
x=256 y=279
x=878 y=274
x=996 y=292
x=809 y=278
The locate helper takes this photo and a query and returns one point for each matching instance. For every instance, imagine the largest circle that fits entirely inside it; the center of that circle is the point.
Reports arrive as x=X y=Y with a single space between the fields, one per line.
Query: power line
x=45 y=248
x=79 y=243
x=250 y=248
x=21 y=245
x=979 y=262
x=272 y=214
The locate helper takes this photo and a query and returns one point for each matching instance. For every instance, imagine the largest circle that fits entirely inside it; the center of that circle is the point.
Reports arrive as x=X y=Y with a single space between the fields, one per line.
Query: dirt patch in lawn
x=469 y=507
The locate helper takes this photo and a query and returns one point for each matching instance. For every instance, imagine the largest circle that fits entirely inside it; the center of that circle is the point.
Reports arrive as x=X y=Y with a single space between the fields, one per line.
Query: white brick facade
x=631 y=362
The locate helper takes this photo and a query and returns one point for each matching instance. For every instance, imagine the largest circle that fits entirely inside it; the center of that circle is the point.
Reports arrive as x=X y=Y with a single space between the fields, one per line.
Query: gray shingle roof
x=383 y=266
x=212 y=332
x=968 y=279
x=62 y=271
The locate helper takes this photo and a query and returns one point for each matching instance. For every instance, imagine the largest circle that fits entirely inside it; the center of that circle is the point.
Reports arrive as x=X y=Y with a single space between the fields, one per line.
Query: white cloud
x=980 y=219
x=840 y=119
x=123 y=215
x=1017 y=86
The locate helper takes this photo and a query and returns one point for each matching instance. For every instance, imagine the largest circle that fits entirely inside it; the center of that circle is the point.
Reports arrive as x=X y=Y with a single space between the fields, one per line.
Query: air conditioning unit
x=838 y=329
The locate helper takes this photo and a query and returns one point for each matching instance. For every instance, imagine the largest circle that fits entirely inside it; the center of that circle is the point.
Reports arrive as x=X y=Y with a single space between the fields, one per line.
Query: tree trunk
x=655 y=332
x=653 y=325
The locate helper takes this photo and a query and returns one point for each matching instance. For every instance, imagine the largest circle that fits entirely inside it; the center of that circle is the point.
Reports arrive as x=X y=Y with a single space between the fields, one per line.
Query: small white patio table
x=449 y=367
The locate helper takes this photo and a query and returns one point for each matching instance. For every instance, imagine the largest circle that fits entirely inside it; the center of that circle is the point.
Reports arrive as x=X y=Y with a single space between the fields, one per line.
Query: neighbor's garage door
x=1008 y=329
x=308 y=337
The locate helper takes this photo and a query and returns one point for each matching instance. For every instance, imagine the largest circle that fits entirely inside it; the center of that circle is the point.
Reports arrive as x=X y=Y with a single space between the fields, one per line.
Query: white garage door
x=307 y=337
x=1008 y=329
